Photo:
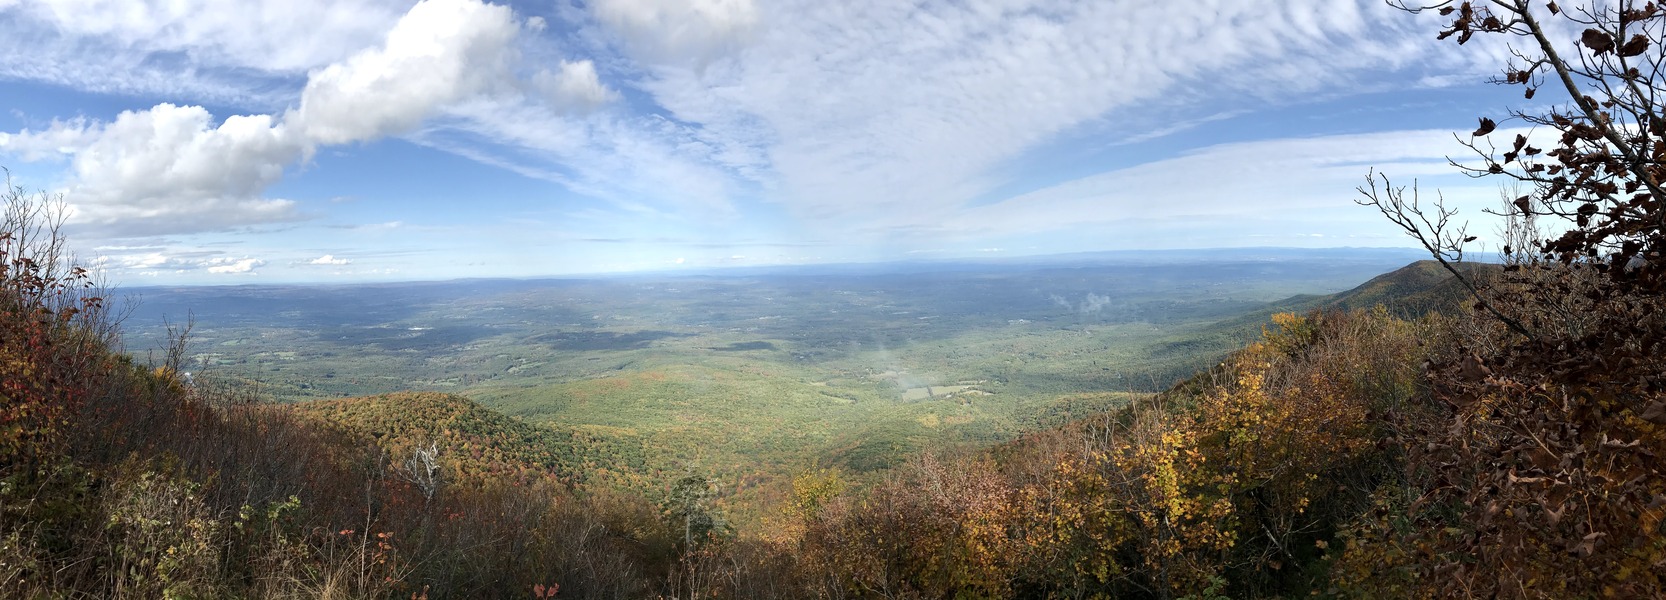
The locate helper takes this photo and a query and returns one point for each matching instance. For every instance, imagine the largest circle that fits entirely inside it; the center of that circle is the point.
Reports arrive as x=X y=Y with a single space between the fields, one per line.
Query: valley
x=752 y=376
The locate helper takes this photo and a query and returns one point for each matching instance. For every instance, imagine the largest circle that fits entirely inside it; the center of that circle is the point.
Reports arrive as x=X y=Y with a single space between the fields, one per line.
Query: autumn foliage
x=1233 y=485
x=124 y=480
x=1345 y=454
x=52 y=310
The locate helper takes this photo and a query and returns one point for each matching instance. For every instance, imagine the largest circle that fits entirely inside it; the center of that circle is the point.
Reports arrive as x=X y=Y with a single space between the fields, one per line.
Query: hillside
x=476 y=441
x=1410 y=291
x=1352 y=452
x=118 y=481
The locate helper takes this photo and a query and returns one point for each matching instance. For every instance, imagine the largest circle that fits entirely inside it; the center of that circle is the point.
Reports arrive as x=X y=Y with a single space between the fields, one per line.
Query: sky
x=268 y=141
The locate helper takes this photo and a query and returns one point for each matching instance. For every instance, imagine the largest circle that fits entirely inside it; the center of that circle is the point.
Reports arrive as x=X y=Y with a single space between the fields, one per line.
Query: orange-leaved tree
x=53 y=326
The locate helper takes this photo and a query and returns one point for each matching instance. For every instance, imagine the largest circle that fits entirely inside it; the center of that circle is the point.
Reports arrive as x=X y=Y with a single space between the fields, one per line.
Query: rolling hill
x=476 y=440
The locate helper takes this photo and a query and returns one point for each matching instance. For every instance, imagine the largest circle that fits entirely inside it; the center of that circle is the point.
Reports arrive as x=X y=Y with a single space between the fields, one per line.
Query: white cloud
x=859 y=116
x=329 y=259
x=1244 y=185
x=151 y=263
x=575 y=85
x=234 y=265
x=647 y=165
x=170 y=47
x=849 y=113
x=169 y=168
x=282 y=35
x=59 y=140
x=439 y=53
x=680 y=31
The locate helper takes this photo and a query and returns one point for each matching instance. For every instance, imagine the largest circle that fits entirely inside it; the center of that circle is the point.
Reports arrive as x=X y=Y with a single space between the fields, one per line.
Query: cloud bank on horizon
x=198 y=141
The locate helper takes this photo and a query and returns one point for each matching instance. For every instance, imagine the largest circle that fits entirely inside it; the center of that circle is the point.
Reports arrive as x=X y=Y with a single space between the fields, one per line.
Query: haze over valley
x=764 y=372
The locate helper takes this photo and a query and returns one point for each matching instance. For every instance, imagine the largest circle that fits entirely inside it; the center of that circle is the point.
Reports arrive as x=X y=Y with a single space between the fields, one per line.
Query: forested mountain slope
x=1418 y=288
x=1336 y=455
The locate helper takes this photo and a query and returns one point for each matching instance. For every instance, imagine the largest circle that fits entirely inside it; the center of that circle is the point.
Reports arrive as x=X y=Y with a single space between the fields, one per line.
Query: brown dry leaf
x=1597 y=41
x=1638 y=44
x=1487 y=125
x=1655 y=413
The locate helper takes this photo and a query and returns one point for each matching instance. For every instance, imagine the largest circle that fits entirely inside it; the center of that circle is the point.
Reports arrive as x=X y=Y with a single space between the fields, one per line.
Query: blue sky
x=208 y=142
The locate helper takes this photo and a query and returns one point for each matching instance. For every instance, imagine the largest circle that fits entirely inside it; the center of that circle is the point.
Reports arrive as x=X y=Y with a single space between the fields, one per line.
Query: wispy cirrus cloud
x=203 y=49
x=1280 y=185
x=646 y=165
x=849 y=111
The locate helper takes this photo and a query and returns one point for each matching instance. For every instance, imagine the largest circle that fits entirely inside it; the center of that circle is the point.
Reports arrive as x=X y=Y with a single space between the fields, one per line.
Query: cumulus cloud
x=169 y=168
x=440 y=52
x=173 y=169
x=682 y=31
x=329 y=259
x=234 y=265
x=574 y=85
